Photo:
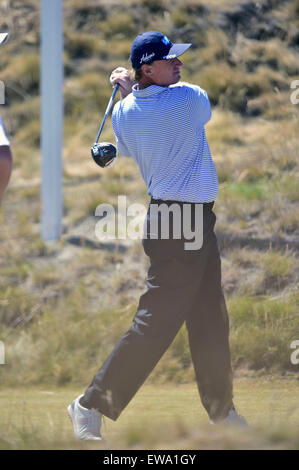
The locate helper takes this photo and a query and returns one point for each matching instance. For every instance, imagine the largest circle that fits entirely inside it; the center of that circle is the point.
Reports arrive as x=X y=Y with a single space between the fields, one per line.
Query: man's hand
x=5 y=168
x=122 y=76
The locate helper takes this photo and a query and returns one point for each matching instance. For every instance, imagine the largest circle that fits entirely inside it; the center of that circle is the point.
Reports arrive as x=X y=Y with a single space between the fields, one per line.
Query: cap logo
x=146 y=57
x=166 y=41
x=170 y=56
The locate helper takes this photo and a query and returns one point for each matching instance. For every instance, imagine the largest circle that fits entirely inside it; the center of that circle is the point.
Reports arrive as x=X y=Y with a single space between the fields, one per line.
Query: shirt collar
x=149 y=91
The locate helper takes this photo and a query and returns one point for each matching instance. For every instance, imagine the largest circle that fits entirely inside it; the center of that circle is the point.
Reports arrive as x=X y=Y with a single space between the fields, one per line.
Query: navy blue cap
x=154 y=45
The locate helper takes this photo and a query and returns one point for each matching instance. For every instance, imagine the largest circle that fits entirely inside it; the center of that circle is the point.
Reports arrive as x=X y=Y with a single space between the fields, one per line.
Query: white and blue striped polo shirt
x=162 y=128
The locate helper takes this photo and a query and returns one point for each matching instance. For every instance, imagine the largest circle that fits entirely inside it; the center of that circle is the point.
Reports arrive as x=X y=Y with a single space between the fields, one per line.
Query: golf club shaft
x=107 y=111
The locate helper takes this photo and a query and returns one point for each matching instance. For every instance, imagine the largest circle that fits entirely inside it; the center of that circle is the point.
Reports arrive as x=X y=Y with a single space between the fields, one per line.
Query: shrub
x=120 y=24
x=22 y=76
x=81 y=45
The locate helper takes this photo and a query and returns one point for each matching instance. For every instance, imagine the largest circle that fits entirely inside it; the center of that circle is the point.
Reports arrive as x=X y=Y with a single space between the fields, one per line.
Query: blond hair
x=137 y=73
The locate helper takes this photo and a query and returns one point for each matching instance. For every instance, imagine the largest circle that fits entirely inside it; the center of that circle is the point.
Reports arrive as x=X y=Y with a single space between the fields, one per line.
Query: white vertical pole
x=52 y=117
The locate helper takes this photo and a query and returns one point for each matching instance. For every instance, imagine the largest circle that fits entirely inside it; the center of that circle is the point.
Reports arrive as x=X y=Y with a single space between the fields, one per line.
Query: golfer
x=160 y=123
x=5 y=153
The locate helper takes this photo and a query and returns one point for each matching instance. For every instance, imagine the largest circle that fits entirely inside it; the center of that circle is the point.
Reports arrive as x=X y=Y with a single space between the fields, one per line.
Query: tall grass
x=262 y=331
x=67 y=332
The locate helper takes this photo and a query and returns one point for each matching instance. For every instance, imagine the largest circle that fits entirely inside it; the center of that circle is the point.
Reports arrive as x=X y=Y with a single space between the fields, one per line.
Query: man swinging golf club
x=5 y=153
x=160 y=123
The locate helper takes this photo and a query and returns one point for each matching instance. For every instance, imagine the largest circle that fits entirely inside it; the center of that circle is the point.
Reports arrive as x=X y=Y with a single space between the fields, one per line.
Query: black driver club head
x=104 y=154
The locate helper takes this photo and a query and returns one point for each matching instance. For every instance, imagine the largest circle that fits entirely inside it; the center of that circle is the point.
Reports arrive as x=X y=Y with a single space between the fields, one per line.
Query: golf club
x=104 y=154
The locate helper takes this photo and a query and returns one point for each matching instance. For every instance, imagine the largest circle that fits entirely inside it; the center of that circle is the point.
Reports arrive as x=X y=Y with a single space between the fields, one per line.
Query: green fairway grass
x=159 y=417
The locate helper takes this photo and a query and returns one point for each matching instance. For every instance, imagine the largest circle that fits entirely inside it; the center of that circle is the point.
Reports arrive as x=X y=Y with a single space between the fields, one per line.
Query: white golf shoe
x=86 y=423
x=233 y=419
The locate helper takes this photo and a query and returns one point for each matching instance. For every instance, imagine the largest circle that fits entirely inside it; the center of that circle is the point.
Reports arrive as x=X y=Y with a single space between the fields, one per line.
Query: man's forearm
x=5 y=168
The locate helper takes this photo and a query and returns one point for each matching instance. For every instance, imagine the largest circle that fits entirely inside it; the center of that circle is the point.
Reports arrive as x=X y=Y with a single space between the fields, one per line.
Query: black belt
x=208 y=205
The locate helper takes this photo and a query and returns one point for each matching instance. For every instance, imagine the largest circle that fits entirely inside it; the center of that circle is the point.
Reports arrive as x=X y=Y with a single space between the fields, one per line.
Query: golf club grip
x=107 y=111
x=112 y=98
